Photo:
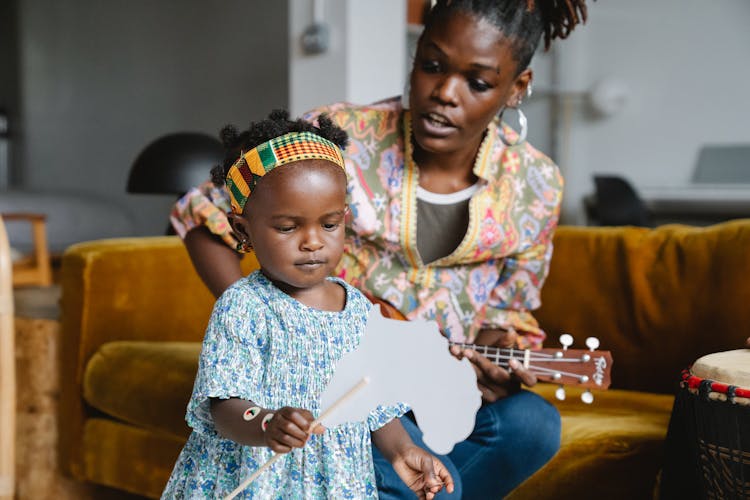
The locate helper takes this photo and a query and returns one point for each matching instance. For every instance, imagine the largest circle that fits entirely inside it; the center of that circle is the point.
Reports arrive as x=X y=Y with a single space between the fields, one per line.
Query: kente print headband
x=294 y=146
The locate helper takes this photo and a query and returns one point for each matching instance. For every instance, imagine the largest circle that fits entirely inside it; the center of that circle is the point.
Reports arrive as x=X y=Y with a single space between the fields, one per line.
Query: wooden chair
x=35 y=269
x=7 y=372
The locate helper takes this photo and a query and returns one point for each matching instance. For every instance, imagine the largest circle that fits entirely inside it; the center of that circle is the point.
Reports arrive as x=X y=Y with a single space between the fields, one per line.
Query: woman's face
x=464 y=73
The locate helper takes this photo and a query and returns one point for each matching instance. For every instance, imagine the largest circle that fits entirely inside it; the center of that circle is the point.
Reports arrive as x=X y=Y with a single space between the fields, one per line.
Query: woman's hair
x=522 y=24
x=276 y=125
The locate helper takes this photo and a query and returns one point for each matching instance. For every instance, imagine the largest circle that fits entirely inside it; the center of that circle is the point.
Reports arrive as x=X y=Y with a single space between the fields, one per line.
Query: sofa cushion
x=143 y=383
x=620 y=435
x=129 y=458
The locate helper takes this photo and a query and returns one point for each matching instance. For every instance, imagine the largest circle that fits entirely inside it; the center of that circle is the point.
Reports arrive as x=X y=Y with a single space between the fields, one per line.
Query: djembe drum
x=708 y=442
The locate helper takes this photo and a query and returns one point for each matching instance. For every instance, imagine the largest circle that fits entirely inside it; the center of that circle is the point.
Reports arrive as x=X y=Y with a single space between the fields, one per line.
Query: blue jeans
x=512 y=439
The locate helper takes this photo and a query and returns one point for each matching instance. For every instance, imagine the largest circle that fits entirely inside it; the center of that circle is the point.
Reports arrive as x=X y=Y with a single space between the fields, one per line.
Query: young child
x=275 y=336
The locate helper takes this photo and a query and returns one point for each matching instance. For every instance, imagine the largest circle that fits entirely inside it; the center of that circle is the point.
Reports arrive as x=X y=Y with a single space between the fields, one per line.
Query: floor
x=37 y=302
x=38 y=474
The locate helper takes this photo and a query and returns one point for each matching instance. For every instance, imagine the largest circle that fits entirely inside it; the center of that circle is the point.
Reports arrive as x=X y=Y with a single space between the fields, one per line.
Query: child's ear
x=240 y=228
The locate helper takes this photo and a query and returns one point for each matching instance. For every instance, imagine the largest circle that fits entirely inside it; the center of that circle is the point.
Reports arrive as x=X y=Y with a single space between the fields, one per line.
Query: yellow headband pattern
x=294 y=146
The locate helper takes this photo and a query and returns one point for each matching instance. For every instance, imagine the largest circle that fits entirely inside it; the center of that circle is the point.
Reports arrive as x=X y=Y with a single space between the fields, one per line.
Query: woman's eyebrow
x=476 y=65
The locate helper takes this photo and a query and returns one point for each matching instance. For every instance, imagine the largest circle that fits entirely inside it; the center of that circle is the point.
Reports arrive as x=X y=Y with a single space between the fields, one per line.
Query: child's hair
x=523 y=26
x=276 y=125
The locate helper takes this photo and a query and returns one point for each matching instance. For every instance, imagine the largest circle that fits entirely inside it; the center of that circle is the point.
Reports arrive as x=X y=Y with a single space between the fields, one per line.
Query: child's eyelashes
x=328 y=226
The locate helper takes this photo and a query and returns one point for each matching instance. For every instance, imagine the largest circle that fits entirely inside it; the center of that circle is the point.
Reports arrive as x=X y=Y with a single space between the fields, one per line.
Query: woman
x=452 y=217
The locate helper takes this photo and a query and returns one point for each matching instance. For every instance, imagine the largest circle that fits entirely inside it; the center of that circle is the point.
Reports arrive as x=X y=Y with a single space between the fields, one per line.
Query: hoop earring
x=522 y=121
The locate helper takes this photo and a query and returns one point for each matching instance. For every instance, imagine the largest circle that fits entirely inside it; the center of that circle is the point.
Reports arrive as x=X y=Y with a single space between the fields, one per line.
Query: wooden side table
x=7 y=373
x=36 y=269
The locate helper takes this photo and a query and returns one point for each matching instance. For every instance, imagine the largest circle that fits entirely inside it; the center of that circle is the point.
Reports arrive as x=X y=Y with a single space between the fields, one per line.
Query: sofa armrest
x=130 y=289
x=140 y=288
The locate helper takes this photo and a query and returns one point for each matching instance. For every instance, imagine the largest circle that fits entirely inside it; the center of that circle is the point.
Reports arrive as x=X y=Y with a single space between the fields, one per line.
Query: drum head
x=729 y=367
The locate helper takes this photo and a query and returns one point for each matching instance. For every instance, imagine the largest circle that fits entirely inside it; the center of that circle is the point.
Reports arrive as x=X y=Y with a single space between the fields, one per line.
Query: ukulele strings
x=505 y=354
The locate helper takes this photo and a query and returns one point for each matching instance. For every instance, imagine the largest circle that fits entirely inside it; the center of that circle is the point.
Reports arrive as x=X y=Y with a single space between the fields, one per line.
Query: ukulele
x=588 y=369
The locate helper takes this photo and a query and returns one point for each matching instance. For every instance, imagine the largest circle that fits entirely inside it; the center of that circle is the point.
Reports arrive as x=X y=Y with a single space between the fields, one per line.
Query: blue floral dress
x=267 y=347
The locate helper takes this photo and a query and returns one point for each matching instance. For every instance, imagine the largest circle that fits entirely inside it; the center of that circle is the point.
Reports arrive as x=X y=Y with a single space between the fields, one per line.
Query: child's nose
x=312 y=241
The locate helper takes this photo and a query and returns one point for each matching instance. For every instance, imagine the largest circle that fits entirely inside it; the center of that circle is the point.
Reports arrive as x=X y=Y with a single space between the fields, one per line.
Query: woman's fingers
x=526 y=377
x=495 y=382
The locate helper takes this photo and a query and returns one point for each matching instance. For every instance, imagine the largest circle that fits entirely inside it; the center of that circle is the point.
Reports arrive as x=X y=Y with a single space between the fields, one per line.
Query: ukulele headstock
x=588 y=369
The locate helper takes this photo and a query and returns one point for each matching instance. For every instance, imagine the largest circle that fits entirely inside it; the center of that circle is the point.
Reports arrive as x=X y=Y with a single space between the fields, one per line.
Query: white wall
x=366 y=58
x=687 y=66
x=377 y=58
x=101 y=79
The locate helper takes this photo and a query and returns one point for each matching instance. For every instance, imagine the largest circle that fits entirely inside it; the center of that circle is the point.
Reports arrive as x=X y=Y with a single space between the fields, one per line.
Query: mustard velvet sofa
x=134 y=312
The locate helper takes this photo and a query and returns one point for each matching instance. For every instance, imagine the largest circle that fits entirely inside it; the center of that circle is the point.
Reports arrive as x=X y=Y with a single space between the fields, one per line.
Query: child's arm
x=246 y=423
x=422 y=472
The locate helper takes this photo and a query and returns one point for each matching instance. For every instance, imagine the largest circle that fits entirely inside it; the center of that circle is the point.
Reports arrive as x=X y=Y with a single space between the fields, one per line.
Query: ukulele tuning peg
x=587 y=397
x=566 y=340
x=592 y=343
x=560 y=393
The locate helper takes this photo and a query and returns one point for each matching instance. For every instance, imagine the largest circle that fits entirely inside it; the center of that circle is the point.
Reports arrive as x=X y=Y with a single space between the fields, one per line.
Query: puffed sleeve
x=204 y=205
x=381 y=415
x=231 y=362
x=518 y=291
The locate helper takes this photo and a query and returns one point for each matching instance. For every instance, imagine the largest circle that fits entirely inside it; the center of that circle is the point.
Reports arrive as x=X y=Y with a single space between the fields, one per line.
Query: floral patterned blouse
x=494 y=277
x=264 y=346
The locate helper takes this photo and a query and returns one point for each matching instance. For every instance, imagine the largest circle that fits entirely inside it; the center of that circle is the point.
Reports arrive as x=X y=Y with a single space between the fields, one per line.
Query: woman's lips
x=436 y=124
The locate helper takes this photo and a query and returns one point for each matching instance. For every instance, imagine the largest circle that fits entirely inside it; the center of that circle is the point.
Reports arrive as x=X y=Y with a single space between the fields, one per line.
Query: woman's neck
x=445 y=173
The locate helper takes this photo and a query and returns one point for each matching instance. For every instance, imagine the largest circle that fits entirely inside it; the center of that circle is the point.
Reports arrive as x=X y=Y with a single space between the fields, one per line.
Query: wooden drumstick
x=346 y=396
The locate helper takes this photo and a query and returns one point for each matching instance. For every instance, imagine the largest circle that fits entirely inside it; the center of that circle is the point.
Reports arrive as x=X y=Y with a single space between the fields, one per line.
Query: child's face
x=295 y=222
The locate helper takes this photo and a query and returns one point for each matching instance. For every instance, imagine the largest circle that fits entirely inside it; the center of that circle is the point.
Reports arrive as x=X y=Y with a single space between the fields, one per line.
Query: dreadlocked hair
x=522 y=25
x=276 y=125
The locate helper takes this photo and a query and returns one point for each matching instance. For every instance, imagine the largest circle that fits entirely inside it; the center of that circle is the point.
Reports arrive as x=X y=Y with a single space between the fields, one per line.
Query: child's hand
x=422 y=472
x=290 y=428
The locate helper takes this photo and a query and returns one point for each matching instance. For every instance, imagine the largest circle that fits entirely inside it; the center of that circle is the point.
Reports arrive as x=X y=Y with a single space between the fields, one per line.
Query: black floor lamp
x=174 y=163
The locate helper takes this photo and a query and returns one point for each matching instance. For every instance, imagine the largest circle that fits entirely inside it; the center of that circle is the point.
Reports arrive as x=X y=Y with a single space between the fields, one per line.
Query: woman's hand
x=422 y=472
x=493 y=381
x=290 y=428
